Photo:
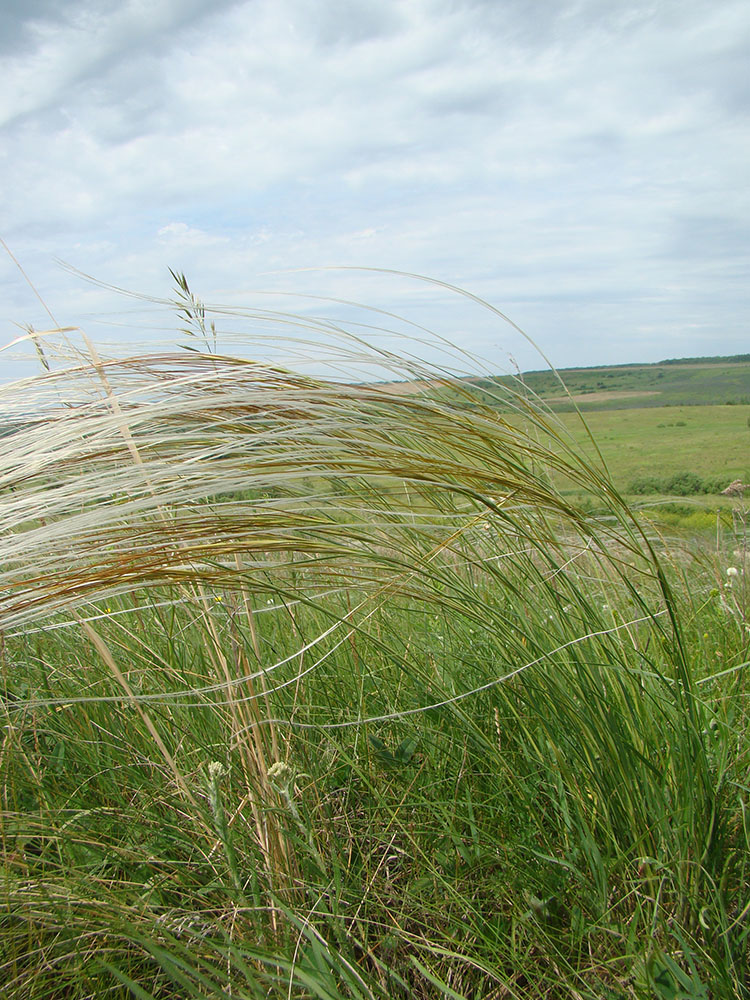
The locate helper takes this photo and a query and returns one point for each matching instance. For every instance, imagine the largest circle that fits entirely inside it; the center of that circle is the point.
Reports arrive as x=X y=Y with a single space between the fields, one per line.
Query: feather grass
x=511 y=767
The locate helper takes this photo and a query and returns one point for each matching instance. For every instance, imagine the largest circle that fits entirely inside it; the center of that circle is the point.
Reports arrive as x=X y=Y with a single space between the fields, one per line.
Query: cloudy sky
x=583 y=165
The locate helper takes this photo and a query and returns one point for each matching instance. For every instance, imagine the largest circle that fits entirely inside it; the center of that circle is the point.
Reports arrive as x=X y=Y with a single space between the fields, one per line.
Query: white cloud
x=581 y=164
x=179 y=234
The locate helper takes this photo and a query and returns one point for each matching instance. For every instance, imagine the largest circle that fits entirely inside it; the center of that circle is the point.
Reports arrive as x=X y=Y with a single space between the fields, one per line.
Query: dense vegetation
x=314 y=690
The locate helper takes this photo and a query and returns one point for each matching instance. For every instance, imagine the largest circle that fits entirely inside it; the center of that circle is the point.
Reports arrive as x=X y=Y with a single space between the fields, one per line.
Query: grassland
x=677 y=428
x=687 y=382
x=711 y=441
x=319 y=691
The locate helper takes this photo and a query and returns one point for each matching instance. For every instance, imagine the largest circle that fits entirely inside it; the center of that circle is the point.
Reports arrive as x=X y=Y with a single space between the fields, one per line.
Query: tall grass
x=315 y=689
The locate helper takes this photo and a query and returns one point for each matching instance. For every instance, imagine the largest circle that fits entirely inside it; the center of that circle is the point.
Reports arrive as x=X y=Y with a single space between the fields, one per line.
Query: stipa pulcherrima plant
x=491 y=690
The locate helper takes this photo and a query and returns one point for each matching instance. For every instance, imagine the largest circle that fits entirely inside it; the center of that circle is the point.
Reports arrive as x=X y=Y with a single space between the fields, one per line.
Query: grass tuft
x=313 y=688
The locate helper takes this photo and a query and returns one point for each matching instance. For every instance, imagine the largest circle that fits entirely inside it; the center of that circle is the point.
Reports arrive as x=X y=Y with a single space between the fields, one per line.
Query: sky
x=582 y=165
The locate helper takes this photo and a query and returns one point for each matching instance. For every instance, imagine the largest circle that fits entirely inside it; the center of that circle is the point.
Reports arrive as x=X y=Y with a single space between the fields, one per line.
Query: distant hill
x=673 y=382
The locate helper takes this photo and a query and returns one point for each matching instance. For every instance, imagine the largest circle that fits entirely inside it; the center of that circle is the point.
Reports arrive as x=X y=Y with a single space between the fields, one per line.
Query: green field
x=712 y=442
x=688 y=382
x=312 y=690
x=673 y=428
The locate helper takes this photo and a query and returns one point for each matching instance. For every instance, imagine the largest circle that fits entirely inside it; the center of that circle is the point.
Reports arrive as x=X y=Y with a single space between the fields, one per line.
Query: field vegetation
x=673 y=429
x=681 y=451
x=684 y=382
x=314 y=689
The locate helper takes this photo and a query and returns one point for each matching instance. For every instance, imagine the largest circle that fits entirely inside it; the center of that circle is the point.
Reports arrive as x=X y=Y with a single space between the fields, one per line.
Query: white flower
x=281 y=776
x=732 y=571
x=216 y=770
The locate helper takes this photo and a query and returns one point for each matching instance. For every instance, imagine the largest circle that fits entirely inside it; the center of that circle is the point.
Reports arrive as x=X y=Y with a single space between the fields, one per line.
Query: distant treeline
x=703 y=361
x=716 y=359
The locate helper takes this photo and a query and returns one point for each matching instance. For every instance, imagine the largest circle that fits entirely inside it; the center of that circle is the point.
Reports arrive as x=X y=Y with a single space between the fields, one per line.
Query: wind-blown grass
x=312 y=689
